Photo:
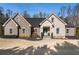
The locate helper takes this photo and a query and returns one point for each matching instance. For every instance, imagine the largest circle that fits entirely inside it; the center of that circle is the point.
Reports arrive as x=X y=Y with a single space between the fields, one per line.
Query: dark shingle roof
x=70 y=26
x=35 y=21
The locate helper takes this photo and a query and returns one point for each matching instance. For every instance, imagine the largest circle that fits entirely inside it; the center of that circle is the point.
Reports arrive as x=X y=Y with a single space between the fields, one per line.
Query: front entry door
x=46 y=31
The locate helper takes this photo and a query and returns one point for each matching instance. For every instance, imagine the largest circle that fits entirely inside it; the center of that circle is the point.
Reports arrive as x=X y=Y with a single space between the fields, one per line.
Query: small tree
x=1 y=30
x=77 y=32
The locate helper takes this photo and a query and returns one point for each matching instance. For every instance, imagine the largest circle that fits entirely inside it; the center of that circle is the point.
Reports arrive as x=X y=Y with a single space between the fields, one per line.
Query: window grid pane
x=57 y=30
x=23 y=30
x=10 y=31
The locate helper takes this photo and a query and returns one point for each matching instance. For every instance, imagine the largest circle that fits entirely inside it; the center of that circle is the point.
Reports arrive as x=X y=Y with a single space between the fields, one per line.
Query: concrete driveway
x=45 y=44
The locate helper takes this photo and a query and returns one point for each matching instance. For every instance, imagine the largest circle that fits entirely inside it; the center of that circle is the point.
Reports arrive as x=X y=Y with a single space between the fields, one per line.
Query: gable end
x=56 y=17
x=22 y=17
x=8 y=21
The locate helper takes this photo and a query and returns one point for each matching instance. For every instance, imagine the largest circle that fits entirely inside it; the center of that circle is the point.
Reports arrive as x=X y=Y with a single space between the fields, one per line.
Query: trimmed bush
x=1 y=30
x=77 y=32
x=24 y=36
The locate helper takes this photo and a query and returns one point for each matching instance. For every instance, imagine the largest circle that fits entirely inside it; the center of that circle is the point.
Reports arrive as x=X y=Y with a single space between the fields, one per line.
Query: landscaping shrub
x=77 y=32
x=35 y=35
x=24 y=36
x=1 y=30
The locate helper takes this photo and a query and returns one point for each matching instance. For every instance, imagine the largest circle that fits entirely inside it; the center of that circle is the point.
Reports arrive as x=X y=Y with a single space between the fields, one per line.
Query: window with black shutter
x=57 y=30
x=23 y=30
x=52 y=19
x=10 y=31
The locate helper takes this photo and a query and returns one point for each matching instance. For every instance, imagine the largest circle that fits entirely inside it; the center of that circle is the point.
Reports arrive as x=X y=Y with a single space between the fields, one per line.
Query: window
x=52 y=25
x=57 y=30
x=23 y=30
x=10 y=31
x=67 y=30
x=52 y=19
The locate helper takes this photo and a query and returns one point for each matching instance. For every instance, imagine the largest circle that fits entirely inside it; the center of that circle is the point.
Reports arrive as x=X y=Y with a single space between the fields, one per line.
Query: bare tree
x=69 y=10
x=35 y=16
x=76 y=14
x=40 y=15
x=2 y=18
x=1 y=10
x=73 y=14
x=62 y=10
x=26 y=15
x=9 y=12
x=69 y=14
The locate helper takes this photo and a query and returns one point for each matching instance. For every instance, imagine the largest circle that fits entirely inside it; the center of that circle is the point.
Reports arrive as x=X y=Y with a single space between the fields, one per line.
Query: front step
x=46 y=37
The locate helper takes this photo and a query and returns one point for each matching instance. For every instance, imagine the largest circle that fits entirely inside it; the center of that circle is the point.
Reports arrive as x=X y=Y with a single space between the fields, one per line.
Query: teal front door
x=46 y=31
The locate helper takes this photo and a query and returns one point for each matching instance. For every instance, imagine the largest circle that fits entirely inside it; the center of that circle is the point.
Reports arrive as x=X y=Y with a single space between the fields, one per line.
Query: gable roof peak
x=10 y=18
x=21 y=17
x=56 y=17
x=16 y=15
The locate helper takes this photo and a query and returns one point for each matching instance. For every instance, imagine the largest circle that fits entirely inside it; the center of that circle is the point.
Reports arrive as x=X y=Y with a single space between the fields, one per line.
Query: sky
x=33 y=8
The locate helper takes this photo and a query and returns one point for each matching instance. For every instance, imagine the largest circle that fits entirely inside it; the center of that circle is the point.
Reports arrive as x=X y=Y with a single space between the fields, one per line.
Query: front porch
x=46 y=32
